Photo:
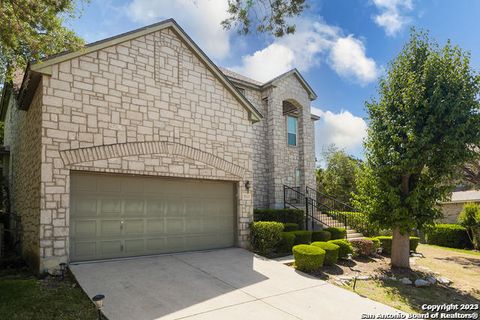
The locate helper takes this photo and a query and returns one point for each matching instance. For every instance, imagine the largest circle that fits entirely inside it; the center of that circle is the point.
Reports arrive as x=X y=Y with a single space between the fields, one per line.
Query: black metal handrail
x=328 y=200
x=314 y=211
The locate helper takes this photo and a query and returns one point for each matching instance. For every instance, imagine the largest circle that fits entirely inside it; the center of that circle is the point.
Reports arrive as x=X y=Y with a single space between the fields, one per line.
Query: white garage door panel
x=118 y=216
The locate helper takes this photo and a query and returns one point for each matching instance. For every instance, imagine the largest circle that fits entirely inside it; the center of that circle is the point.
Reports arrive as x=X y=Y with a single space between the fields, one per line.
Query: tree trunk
x=400 y=249
x=401 y=242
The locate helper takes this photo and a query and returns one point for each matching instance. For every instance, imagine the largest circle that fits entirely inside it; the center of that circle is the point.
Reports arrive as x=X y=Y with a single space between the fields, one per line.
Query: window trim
x=288 y=131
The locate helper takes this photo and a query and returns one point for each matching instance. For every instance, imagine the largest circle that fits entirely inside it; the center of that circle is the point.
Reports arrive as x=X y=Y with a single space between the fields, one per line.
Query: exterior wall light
x=98 y=300
x=63 y=268
x=248 y=185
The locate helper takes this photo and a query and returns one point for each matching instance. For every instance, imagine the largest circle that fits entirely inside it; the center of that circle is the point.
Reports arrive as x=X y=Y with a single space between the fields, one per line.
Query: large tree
x=269 y=16
x=337 y=179
x=33 y=29
x=423 y=127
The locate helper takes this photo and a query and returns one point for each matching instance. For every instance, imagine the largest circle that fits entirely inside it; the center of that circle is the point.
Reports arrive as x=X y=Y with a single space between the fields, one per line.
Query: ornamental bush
x=280 y=215
x=337 y=233
x=448 y=235
x=265 y=235
x=286 y=242
x=345 y=247
x=289 y=226
x=321 y=235
x=362 y=247
x=308 y=258
x=469 y=218
x=386 y=244
x=376 y=244
x=331 y=252
x=302 y=237
x=359 y=221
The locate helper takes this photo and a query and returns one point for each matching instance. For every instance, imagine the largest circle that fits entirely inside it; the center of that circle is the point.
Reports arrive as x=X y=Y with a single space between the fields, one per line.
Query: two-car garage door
x=120 y=216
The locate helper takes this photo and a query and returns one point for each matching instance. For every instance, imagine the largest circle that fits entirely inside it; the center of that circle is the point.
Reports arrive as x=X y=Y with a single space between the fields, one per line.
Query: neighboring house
x=451 y=209
x=139 y=144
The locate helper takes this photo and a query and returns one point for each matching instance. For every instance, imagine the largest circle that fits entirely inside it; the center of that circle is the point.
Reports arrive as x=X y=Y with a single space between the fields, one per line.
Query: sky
x=341 y=47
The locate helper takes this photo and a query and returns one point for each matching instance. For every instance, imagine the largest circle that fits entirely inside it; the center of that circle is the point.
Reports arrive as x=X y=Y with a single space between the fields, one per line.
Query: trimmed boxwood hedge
x=345 y=247
x=286 y=243
x=302 y=237
x=308 y=258
x=331 y=251
x=376 y=244
x=265 y=235
x=321 y=236
x=386 y=243
x=280 y=215
x=448 y=235
x=290 y=226
x=337 y=233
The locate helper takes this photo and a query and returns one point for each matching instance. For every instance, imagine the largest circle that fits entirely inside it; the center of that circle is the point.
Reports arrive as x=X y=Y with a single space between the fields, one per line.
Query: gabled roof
x=311 y=94
x=45 y=66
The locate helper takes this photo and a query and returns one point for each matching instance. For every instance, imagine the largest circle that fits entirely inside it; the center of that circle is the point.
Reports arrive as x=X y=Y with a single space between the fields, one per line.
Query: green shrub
x=362 y=247
x=448 y=235
x=321 y=235
x=302 y=237
x=358 y=221
x=386 y=243
x=337 y=233
x=289 y=226
x=469 y=218
x=308 y=258
x=286 y=243
x=414 y=243
x=376 y=244
x=280 y=215
x=265 y=235
x=345 y=247
x=331 y=251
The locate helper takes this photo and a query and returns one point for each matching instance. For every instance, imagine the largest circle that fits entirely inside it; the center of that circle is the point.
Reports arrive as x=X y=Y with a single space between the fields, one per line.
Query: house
x=451 y=209
x=139 y=144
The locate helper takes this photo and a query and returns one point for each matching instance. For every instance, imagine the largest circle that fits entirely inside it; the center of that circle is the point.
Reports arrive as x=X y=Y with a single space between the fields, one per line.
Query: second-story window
x=292 y=130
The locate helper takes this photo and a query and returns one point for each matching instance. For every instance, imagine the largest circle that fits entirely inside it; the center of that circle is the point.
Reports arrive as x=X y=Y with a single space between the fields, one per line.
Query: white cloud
x=312 y=43
x=343 y=129
x=200 y=18
x=391 y=16
x=348 y=59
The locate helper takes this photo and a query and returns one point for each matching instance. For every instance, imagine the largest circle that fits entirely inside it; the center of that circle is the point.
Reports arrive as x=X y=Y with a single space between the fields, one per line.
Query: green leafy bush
x=376 y=244
x=289 y=226
x=386 y=243
x=345 y=247
x=302 y=237
x=265 y=235
x=308 y=258
x=280 y=215
x=414 y=243
x=469 y=218
x=448 y=235
x=321 y=235
x=331 y=251
x=286 y=242
x=358 y=221
x=337 y=233
x=362 y=247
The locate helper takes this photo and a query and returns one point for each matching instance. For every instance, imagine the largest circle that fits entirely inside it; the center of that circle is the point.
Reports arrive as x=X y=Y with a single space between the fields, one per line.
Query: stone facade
x=148 y=106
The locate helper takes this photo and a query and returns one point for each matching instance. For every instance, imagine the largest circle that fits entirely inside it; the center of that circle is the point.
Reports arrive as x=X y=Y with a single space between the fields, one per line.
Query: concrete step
x=354 y=235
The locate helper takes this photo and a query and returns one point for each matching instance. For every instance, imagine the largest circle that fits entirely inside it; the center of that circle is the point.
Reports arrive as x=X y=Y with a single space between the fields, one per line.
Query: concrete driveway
x=221 y=284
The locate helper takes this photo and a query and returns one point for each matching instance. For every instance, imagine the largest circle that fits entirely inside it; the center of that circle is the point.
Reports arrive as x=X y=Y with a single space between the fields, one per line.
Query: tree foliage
x=338 y=178
x=424 y=126
x=33 y=29
x=263 y=16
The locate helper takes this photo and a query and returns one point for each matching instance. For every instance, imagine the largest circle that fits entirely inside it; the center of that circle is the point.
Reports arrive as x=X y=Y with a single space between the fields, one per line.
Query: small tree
x=424 y=126
x=338 y=178
x=470 y=219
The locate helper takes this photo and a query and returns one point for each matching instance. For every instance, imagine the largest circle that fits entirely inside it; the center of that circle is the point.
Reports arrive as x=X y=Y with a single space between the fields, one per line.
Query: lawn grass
x=23 y=296
x=475 y=253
